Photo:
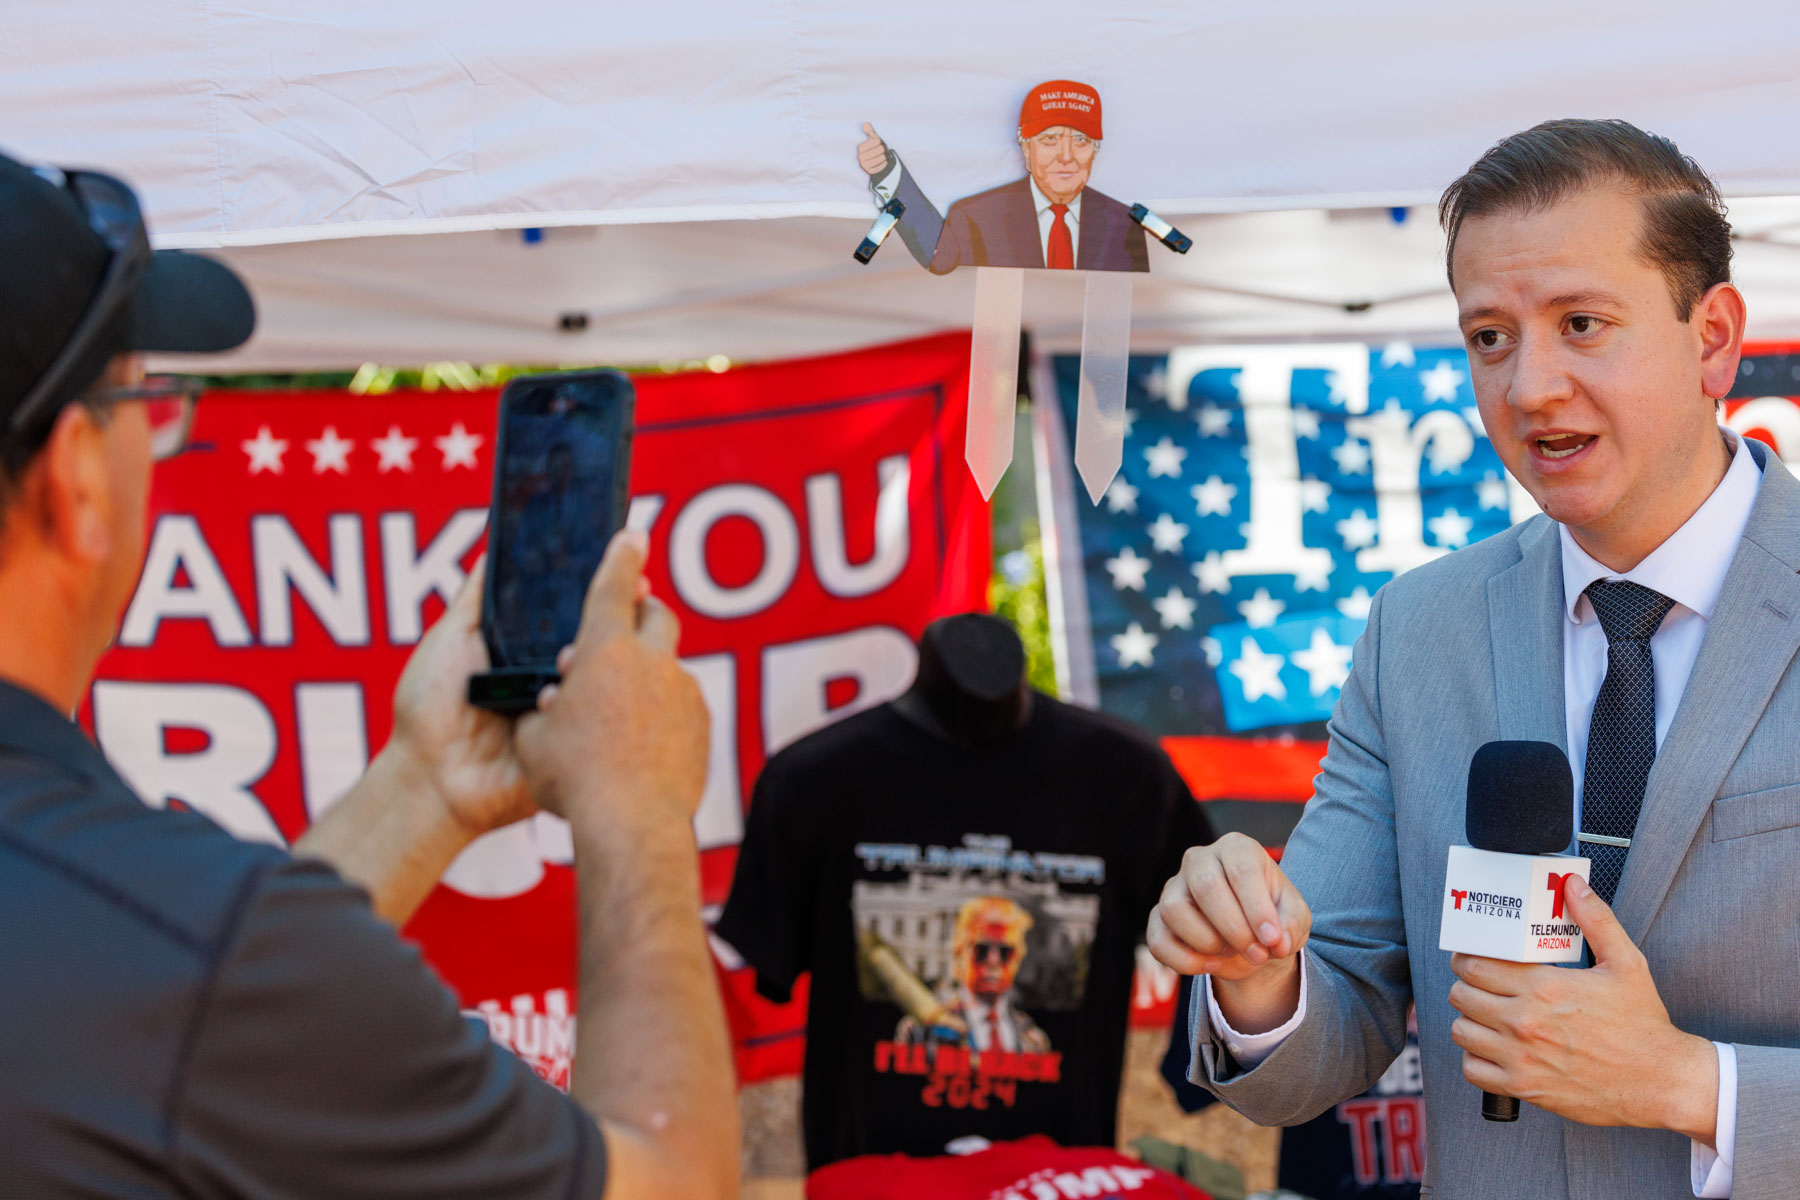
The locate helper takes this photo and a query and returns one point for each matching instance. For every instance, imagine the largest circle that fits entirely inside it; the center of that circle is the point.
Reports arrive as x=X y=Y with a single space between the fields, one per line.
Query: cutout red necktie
x=1062 y=245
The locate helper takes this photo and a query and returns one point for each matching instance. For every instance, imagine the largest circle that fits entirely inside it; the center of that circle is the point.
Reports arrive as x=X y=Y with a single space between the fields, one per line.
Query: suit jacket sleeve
x=1343 y=859
x=1766 y=1158
x=921 y=227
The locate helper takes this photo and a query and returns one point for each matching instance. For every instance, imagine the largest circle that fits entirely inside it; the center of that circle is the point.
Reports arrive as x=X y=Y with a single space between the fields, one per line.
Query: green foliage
x=1016 y=593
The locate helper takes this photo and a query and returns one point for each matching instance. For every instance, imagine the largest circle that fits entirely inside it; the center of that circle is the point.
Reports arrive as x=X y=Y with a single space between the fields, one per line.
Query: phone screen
x=563 y=458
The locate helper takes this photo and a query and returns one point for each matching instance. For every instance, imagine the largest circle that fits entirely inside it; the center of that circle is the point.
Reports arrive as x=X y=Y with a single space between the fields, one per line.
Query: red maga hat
x=1060 y=102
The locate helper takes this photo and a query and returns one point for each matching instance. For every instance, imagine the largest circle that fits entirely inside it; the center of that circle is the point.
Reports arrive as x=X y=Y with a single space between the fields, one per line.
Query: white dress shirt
x=984 y=1019
x=888 y=182
x=1690 y=569
x=1046 y=219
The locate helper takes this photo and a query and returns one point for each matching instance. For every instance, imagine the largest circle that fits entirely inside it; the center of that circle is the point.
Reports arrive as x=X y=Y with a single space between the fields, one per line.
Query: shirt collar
x=1042 y=202
x=1689 y=568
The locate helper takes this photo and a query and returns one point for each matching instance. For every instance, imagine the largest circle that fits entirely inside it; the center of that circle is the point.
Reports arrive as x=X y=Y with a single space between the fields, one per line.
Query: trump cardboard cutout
x=1051 y=218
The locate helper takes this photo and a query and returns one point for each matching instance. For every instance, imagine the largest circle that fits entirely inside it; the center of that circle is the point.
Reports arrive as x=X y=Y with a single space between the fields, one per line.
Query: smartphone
x=562 y=466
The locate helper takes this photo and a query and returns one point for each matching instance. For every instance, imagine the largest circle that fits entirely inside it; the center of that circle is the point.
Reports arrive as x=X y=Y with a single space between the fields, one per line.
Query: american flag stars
x=1233 y=561
x=333 y=453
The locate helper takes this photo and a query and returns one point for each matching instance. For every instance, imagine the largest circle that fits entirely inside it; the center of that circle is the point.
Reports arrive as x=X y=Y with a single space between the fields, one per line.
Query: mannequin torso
x=971 y=686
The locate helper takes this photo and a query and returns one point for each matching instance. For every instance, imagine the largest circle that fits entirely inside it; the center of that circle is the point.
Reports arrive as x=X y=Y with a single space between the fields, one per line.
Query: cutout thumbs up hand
x=872 y=153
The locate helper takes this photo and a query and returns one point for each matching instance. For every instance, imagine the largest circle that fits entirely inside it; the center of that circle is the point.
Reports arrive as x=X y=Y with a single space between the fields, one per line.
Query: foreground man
x=1647 y=624
x=183 y=1014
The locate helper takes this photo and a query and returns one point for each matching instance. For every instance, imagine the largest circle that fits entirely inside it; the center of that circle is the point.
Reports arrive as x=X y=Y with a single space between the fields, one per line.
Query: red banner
x=807 y=520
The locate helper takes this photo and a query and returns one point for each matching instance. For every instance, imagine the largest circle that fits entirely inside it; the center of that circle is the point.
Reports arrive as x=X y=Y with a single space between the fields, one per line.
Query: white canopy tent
x=372 y=167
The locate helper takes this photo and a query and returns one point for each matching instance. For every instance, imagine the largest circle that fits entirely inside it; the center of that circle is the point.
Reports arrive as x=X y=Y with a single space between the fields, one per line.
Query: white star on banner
x=1352 y=457
x=1213 y=498
x=1356 y=604
x=1315 y=495
x=458 y=447
x=1212 y=575
x=1176 y=609
x=1167 y=534
x=330 y=452
x=395 y=449
x=1134 y=646
x=1306 y=423
x=1398 y=354
x=1214 y=652
x=1130 y=421
x=1358 y=530
x=1121 y=497
x=1260 y=673
x=1440 y=383
x=1128 y=570
x=1165 y=459
x=1313 y=578
x=1156 y=383
x=1451 y=528
x=1327 y=664
x=1261 y=609
x=265 y=451
x=1491 y=491
x=1213 y=421
x=1355 y=403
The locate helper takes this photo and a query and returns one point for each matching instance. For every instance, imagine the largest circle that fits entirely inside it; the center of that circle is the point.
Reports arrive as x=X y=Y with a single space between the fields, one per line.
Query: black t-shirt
x=969 y=916
x=185 y=1014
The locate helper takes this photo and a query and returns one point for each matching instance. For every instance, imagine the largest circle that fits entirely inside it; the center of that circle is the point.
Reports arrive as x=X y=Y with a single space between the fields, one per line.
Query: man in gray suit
x=1647 y=623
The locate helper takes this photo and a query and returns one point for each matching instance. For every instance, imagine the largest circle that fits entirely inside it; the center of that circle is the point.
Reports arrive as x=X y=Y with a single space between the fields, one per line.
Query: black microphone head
x=1521 y=798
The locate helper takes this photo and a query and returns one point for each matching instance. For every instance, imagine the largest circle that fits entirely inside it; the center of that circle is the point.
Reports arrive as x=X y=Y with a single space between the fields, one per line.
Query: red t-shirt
x=1033 y=1168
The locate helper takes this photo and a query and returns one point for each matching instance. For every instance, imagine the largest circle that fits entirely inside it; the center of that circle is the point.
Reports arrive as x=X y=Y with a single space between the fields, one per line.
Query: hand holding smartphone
x=562 y=467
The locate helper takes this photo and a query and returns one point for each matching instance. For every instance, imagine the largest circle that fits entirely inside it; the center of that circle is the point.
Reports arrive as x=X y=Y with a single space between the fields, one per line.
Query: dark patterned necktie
x=1622 y=736
x=1062 y=243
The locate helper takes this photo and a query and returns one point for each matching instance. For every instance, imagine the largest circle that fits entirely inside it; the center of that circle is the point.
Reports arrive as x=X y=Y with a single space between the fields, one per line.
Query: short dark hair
x=1685 y=232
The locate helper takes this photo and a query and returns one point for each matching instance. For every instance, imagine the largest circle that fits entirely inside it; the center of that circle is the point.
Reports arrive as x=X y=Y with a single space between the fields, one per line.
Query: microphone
x=884 y=225
x=1504 y=890
x=1161 y=230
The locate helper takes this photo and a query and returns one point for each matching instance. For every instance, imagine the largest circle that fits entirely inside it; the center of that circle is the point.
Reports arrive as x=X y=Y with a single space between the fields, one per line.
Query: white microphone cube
x=1510 y=906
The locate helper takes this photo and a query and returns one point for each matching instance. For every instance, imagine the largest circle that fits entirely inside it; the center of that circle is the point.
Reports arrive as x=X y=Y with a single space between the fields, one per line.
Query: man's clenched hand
x=1232 y=914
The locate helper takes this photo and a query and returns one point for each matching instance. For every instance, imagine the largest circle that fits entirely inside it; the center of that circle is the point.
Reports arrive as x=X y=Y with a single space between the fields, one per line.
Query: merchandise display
x=1034 y=1168
x=966 y=873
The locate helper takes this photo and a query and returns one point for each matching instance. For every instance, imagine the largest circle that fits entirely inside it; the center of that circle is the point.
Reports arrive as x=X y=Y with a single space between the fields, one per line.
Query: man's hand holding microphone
x=1234 y=915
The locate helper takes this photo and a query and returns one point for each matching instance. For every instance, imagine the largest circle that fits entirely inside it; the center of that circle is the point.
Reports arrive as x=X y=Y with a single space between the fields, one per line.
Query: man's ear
x=67 y=489
x=1719 y=320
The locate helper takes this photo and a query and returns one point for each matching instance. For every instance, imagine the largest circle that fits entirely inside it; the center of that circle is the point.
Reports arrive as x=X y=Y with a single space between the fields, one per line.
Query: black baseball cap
x=82 y=285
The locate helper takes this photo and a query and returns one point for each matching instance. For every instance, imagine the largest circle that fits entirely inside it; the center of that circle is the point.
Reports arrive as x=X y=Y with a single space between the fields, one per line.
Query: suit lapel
x=1752 y=637
x=1525 y=618
x=1024 y=219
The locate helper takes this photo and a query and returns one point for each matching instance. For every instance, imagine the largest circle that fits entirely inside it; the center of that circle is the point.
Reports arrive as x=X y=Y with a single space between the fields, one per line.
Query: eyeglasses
x=169 y=404
x=1001 y=951
x=112 y=212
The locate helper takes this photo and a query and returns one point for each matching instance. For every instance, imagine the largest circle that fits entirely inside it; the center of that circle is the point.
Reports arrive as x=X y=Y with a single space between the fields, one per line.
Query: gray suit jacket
x=1466 y=650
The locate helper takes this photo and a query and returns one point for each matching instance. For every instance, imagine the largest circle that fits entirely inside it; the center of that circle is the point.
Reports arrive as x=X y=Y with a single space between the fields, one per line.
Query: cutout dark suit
x=999 y=228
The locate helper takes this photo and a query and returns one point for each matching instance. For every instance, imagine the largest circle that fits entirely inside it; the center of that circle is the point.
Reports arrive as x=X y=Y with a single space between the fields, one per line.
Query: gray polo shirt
x=185 y=1014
